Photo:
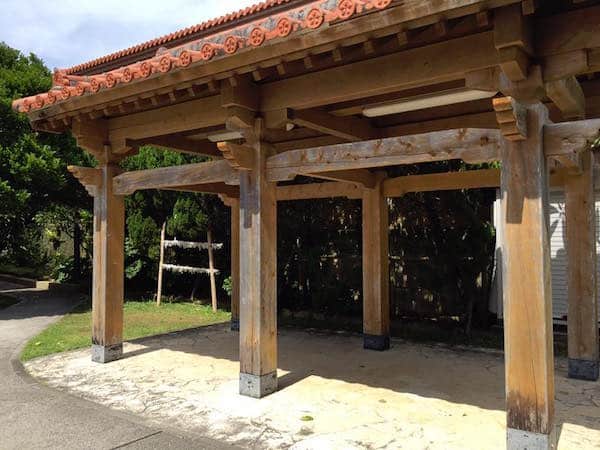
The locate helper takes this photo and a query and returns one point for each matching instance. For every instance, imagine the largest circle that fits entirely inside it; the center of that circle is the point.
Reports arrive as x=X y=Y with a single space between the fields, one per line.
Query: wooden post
x=581 y=253
x=375 y=263
x=160 y=263
x=108 y=276
x=211 y=271
x=235 y=264
x=528 y=339
x=258 y=278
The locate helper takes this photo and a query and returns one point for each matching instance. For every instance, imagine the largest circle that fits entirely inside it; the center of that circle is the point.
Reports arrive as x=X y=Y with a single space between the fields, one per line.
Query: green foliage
x=228 y=285
x=33 y=175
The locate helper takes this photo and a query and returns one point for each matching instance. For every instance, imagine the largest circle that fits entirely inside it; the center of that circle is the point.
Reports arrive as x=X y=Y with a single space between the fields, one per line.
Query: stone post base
x=376 y=342
x=235 y=325
x=582 y=369
x=527 y=440
x=258 y=386
x=104 y=354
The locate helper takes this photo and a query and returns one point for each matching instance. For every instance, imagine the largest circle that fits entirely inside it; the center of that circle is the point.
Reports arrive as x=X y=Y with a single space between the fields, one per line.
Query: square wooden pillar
x=375 y=264
x=581 y=268
x=258 y=278
x=108 y=274
x=528 y=338
x=234 y=203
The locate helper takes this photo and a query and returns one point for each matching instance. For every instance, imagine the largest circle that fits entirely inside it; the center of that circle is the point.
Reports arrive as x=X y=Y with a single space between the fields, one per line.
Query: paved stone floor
x=333 y=395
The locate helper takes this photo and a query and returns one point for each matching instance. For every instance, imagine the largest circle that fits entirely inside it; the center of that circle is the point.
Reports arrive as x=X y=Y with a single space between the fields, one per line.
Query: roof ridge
x=229 y=18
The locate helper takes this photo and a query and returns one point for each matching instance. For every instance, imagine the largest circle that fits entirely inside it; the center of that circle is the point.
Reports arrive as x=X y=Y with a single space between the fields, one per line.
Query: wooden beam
x=469 y=179
x=568 y=96
x=568 y=31
x=443 y=61
x=190 y=115
x=318 y=190
x=348 y=128
x=528 y=335
x=258 y=278
x=567 y=138
x=375 y=264
x=362 y=177
x=176 y=176
x=108 y=269
x=582 y=315
x=178 y=143
x=471 y=145
x=208 y=188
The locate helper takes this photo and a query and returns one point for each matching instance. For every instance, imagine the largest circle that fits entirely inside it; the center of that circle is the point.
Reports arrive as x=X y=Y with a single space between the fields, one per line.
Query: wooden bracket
x=512 y=118
x=242 y=93
x=513 y=40
x=568 y=96
x=90 y=178
x=239 y=157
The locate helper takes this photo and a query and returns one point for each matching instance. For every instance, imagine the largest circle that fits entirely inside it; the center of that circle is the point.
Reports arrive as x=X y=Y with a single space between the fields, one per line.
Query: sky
x=68 y=32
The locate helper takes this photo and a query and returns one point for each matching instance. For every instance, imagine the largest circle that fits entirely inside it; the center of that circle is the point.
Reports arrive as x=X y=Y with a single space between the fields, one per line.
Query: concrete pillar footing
x=258 y=386
x=376 y=342
x=583 y=369
x=528 y=440
x=106 y=353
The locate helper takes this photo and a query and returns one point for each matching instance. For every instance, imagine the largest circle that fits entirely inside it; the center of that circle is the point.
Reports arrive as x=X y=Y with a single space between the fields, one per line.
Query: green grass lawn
x=141 y=319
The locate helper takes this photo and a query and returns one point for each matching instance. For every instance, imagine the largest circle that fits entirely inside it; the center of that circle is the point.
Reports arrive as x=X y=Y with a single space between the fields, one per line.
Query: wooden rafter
x=362 y=177
x=347 y=128
x=178 y=143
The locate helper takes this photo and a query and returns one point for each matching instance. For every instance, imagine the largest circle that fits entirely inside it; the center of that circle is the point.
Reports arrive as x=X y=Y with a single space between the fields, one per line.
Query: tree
x=33 y=175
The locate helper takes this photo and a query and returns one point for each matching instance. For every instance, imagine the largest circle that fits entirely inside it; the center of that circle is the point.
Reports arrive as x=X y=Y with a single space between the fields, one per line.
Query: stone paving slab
x=333 y=395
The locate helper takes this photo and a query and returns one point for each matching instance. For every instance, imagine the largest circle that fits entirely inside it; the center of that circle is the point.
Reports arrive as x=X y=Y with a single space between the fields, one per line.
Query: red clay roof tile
x=302 y=15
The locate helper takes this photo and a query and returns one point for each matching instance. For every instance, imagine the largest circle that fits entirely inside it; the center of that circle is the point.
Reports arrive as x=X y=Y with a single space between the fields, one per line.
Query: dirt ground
x=333 y=394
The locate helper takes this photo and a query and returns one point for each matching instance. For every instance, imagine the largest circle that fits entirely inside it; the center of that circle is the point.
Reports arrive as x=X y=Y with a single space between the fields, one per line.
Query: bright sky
x=68 y=32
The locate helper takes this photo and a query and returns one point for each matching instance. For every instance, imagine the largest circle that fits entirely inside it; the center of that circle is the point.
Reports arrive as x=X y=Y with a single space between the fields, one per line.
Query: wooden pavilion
x=338 y=90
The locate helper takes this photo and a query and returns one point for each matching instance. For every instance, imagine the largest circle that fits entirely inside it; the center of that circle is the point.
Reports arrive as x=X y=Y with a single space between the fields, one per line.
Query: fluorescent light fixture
x=427 y=101
x=225 y=136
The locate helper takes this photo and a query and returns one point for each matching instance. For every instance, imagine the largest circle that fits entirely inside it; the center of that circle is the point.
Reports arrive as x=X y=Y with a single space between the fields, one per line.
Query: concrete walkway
x=34 y=416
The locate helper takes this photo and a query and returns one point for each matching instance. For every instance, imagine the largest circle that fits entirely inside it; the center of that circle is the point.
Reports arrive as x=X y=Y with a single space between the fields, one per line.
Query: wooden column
x=235 y=263
x=108 y=274
x=581 y=284
x=258 y=282
x=528 y=339
x=375 y=263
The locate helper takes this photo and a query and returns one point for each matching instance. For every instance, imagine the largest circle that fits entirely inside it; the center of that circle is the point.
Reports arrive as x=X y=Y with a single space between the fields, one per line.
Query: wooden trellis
x=211 y=271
